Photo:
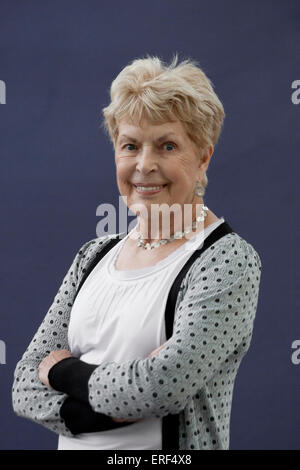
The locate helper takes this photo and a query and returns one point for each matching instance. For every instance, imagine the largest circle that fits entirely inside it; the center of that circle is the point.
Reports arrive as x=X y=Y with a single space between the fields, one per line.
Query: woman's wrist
x=79 y=417
x=71 y=376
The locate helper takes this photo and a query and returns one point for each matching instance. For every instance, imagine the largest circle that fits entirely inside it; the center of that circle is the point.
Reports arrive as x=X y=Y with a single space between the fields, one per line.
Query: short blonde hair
x=148 y=87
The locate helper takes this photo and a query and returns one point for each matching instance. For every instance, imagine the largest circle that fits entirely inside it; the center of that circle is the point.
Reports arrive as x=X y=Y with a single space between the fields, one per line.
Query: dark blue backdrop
x=58 y=59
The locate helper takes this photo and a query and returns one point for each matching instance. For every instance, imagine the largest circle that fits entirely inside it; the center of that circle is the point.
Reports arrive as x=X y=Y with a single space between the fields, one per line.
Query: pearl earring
x=199 y=190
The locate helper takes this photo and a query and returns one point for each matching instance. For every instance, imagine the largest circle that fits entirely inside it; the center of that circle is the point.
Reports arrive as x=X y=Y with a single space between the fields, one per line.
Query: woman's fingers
x=153 y=353
x=118 y=420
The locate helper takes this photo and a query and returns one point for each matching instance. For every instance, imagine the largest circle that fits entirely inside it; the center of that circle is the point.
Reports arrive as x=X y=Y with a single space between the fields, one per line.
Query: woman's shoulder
x=96 y=244
x=246 y=250
x=225 y=261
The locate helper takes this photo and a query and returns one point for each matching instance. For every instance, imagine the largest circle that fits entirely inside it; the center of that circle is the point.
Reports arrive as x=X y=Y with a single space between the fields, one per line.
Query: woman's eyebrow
x=125 y=136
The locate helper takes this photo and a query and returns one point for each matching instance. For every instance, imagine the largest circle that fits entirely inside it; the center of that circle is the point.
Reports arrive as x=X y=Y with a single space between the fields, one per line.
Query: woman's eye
x=166 y=143
x=170 y=144
x=127 y=146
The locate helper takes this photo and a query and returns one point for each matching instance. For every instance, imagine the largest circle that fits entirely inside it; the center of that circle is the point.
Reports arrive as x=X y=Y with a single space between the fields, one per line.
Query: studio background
x=57 y=60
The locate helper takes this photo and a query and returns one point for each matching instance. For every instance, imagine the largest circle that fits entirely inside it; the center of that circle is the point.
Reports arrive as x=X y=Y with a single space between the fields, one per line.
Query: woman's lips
x=149 y=193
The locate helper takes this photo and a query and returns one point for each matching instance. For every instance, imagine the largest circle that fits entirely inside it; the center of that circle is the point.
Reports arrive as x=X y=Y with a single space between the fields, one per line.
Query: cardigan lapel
x=170 y=423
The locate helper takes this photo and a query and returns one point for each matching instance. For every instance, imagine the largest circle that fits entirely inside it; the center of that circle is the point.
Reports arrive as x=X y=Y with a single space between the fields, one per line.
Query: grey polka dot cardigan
x=188 y=383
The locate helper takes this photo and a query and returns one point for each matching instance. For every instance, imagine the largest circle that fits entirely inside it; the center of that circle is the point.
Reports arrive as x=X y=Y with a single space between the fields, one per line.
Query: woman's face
x=154 y=155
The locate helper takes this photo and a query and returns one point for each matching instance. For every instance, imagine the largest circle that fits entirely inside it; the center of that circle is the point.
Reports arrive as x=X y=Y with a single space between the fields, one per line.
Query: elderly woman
x=142 y=343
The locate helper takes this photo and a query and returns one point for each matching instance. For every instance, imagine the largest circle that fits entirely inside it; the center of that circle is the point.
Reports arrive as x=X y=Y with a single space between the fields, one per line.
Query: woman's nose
x=147 y=159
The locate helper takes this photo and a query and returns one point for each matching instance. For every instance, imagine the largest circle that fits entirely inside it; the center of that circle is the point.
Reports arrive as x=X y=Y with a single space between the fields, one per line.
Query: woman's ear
x=205 y=158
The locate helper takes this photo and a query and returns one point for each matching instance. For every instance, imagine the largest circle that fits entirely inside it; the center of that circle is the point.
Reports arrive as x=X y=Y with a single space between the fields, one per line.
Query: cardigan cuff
x=71 y=376
x=80 y=418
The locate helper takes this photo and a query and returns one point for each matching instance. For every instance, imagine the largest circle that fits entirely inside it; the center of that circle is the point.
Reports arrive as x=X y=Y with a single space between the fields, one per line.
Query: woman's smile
x=144 y=191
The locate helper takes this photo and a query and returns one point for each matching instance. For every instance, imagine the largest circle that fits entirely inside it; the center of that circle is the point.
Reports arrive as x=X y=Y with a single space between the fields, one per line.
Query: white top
x=123 y=321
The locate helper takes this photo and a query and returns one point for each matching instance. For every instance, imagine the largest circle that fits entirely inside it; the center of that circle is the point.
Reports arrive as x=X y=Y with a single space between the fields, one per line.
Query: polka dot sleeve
x=214 y=318
x=31 y=399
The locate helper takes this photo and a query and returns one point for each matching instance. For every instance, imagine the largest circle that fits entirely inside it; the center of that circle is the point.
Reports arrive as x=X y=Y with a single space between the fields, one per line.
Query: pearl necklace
x=177 y=235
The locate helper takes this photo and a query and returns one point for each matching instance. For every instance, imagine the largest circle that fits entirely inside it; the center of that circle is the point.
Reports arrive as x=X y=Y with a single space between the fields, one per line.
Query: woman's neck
x=155 y=230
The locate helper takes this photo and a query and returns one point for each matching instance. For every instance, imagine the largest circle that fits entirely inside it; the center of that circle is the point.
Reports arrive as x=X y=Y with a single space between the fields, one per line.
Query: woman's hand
x=48 y=362
x=153 y=353
x=117 y=420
